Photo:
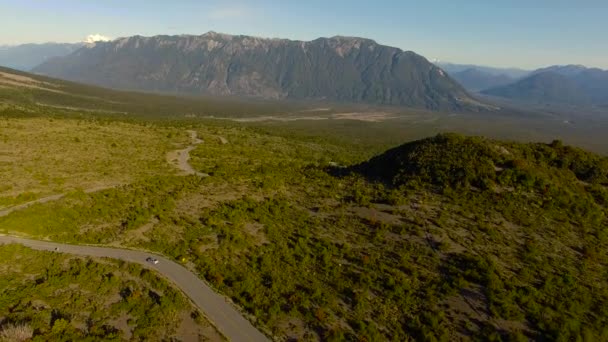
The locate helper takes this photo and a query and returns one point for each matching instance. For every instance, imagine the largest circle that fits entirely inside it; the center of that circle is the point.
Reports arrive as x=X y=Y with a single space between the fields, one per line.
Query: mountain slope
x=475 y=80
x=336 y=69
x=564 y=70
x=543 y=87
x=452 y=68
x=570 y=84
x=26 y=56
x=594 y=82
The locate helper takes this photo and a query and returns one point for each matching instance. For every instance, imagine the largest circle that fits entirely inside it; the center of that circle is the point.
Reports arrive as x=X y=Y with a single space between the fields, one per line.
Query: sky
x=505 y=33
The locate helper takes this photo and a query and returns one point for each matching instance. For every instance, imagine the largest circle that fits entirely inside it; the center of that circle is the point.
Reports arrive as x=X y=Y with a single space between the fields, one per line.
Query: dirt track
x=181 y=158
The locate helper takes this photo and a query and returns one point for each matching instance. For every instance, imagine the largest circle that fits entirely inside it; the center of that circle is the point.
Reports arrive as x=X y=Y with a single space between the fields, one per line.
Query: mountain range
x=570 y=84
x=337 y=69
x=341 y=69
x=26 y=56
x=474 y=79
x=453 y=68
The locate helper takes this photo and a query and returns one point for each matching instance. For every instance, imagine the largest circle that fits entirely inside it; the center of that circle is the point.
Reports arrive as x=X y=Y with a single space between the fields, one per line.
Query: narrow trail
x=181 y=158
x=7 y=211
x=217 y=308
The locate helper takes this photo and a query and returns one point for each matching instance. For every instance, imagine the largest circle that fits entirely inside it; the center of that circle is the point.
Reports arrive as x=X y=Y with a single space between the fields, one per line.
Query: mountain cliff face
x=341 y=69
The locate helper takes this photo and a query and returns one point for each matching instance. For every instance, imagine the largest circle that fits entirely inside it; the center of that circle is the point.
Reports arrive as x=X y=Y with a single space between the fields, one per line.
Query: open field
x=45 y=156
x=54 y=296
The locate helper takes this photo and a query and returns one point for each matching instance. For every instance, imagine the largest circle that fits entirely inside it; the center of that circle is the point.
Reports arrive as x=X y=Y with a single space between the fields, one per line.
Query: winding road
x=224 y=316
x=228 y=320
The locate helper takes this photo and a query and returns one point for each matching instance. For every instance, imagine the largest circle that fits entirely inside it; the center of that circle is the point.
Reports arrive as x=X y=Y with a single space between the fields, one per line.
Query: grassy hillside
x=45 y=156
x=48 y=296
x=23 y=90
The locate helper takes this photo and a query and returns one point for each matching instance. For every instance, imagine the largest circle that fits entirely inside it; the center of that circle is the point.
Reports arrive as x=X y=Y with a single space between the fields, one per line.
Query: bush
x=16 y=333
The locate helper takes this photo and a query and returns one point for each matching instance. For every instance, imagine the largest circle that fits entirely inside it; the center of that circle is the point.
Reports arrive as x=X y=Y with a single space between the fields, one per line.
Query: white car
x=152 y=260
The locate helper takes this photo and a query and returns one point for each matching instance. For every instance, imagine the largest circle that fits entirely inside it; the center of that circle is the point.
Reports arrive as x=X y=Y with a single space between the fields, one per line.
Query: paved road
x=226 y=318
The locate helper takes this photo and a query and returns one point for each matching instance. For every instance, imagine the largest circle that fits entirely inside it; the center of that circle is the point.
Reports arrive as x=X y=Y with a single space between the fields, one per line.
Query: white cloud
x=92 y=38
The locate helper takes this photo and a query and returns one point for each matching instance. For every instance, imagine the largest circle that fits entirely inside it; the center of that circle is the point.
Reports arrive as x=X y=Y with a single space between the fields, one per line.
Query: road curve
x=224 y=316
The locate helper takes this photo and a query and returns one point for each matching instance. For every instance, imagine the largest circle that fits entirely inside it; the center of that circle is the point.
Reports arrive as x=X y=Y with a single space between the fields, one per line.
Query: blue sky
x=515 y=33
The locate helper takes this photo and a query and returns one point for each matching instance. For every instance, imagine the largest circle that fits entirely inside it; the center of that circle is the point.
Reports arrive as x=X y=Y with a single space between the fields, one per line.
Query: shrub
x=16 y=333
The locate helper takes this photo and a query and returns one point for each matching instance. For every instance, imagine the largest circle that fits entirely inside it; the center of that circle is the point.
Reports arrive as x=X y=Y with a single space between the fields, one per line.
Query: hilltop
x=451 y=160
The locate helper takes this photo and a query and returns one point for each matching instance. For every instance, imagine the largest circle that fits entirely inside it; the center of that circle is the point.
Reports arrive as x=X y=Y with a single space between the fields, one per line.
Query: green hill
x=522 y=228
x=451 y=160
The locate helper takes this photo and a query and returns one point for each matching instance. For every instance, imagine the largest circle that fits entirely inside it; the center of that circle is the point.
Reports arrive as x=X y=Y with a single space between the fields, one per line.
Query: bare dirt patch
x=210 y=197
x=139 y=234
x=181 y=158
x=365 y=116
x=373 y=214
x=288 y=117
x=208 y=242
x=122 y=323
x=295 y=329
x=190 y=330
x=12 y=80
x=256 y=230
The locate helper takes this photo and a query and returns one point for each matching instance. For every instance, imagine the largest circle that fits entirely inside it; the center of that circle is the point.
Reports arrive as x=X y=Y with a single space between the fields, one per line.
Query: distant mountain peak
x=351 y=39
x=216 y=35
x=475 y=79
x=26 y=56
x=566 y=70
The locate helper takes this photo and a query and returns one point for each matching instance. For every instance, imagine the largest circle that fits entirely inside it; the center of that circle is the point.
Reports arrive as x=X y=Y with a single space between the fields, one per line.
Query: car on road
x=152 y=260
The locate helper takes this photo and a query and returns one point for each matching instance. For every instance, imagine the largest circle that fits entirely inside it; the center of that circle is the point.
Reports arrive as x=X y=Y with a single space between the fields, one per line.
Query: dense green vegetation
x=53 y=297
x=46 y=156
x=450 y=160
x=445 y=238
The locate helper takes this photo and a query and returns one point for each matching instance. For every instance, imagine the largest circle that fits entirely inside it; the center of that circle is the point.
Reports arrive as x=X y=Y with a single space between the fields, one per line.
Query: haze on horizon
x=519 y=33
